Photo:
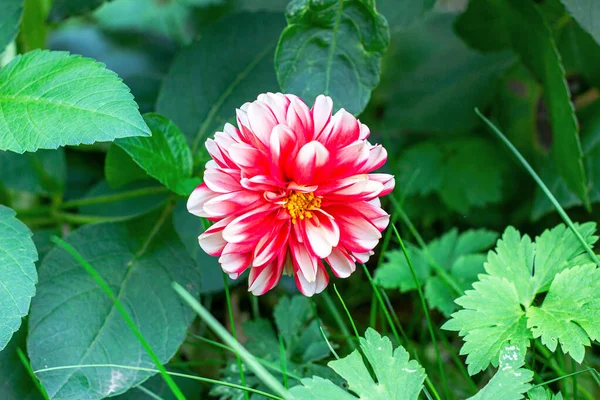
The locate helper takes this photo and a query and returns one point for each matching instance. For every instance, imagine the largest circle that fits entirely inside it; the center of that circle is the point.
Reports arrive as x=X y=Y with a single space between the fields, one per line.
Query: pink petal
x=198 y=198
x=311 y=164
x=354 y=188
x=357 y=234
x=322 y=233
x=387 y=180
x=248 y=158
x=350 y=159
x=363 y=257
x=251 y=225
x=278 y=104
x=377 y=157
x=262 y=279
x=269 y=246
x=309 y=288
x=341 y=263
x=321 y=113
x=345 y=129
x=235 y=263
x=283 y=146
x=373 y=213
x=299 y=119
x=231 y=203
x=222 y=180
x=262 y=121
x=211 y=240
x=260 y=183
x=364 y=132
x=303 y=261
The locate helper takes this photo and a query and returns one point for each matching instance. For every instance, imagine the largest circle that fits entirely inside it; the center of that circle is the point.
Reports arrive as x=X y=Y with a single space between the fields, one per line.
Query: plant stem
x=113 y=197
x=338 y=319
x=232 y=323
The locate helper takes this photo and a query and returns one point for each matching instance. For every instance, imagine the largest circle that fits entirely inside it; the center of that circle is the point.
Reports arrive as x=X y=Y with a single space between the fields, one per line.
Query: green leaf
x=51 y=99
x=120 y=169
x=570 y=312
x=63 y=9
x=421 y=91
x=401 y=14
x=539 y=393
x=499 y=309
x=462 y=172
x=527 y=29
x=10 y=18
x=397 y=377
x=126 y=207
x=164 y=156
x=511 y=380
x=16 y=381
x=332 y=47
x=170 y=18
x=188 y=228
x=587 y=13
x=460 y=255
x=482 y=27
x=42 y=172
x=218 y=85
x=17 y=275
x=73 y=322
x=33 y=25
x=157 y=386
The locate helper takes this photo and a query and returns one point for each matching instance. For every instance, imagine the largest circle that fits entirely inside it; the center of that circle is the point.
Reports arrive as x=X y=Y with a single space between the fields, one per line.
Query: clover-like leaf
x=500 y=309
x=18 y=275
x=50 y=99
x=332 y=47
x=398 y=378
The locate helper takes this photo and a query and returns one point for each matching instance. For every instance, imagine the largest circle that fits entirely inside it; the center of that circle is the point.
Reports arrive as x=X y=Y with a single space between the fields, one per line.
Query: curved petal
x=349 y=160
x=321 y=113
x=373 y=213
x=211 y=240
x=386 y=180
x=261 y=120
x=322 y=233
x=231 y=203
x=251 y=225
x=377 y=157
x=343 y=130
x=310 y=288
x=299 y=119
x=262 y=279
x=269 y=246
x=303 y=261
x=341 y=263
x=278 y=104
x=248 y=158
x=284 y=144
x=311 y=164
x=222 y=180
x=354 y=188
x=357 y=234
x=198 y=198
x=234 y=264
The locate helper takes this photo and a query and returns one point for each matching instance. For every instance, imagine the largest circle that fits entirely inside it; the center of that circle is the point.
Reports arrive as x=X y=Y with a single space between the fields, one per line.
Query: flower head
x=292 y=186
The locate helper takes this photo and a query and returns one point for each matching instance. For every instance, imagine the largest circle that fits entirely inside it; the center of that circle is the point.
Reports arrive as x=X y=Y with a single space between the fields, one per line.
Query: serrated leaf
x=218 y=85
x=73 y=321
x=421 y=92
x=587 y=13
x=499 y=309
x=129 y=206
x=570 y=312
x=18 y=275
x=511 y=380
x=491 y=317
x=42 y=172
x=10 y=17
x=51 y=99
x=164 y=156
x=539 y=393
x=332 y=47
x=290 y=316
x=16 y=381
x=418 y=171
x=397 y=377
x=63 y=9
x=120 y=169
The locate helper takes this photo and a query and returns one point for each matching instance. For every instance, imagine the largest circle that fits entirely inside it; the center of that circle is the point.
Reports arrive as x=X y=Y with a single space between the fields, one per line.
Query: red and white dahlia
x=289 y=187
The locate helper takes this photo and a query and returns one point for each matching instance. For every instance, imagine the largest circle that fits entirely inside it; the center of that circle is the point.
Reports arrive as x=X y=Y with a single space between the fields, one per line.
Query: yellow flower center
x=299 y=204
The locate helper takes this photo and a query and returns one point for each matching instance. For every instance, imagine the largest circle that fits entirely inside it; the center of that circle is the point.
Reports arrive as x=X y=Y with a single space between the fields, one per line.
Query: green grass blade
x=102 y=283
x=261 y=373
x=347 y=313
x=541 y=184
x=27 y=365
x=338 y=319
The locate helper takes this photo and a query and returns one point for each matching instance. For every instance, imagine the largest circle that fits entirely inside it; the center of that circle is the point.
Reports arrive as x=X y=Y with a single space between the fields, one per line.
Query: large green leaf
x=51 y=99
x=422 y=92
x=397 y=377
x=216 y=86
x=63 y=9
x=587 y=13
x=527 y=31
x=10 y=17
x=73 y=322
x=17 y=274
x=332 y=47
x=42 y=172
x=164 y=156
x=16 y=382
x=120 y=169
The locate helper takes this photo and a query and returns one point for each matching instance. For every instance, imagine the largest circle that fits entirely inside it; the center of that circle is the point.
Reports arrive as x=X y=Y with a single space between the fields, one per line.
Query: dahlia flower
x=292 y=186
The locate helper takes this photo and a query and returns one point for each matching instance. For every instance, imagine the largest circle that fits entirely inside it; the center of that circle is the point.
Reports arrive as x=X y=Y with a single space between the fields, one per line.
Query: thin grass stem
x=338 y=319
